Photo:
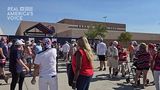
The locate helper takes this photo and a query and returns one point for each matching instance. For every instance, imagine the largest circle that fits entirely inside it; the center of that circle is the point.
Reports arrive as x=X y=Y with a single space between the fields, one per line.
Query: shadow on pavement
x=1 y=84
x=99 y=77
x=122 y=86
x=106 y=77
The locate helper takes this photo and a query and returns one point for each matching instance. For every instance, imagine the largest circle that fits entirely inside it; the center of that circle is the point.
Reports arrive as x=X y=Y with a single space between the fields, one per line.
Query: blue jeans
x=83 y=82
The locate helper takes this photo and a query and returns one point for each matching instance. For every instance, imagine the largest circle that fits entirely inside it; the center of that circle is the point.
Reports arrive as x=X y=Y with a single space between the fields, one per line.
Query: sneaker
x=143 y=87
x=116 y=73
x=28 y=75
x=152 y=83
x=110 y=76
x=123 y=75
x=100 y=69
x=135 y=85
x=104 y=69
x=113 y=76
x=6 y=79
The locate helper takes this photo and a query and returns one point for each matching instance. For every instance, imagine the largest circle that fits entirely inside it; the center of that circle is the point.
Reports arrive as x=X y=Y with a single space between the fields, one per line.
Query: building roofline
x=143 y=33
x=88 y=21
x=36 y=21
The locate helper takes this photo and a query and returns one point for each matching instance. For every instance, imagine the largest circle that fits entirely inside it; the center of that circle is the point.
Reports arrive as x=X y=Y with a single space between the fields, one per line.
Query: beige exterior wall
x=64 y=30
x=145 y=36
x=113 y=35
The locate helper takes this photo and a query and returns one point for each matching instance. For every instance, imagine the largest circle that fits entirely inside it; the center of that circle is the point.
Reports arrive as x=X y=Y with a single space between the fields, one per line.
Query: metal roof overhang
x=45 y=30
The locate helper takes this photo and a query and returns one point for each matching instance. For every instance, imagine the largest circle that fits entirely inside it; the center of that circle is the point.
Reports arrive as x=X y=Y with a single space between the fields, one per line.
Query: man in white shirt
x=65 y=50
x=101 y=52
x=45 y=65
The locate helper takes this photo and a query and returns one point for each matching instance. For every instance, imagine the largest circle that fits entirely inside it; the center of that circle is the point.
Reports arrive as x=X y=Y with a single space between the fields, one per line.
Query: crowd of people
x=43 y=56
x=144 y=57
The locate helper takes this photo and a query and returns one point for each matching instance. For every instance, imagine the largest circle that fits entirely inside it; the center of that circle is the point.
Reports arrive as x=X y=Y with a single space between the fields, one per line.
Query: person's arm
x=36 y=70
x=69 y=48
x=1 y=52
x=125 y=54
x=78 y=67
x=29 y=51
x=20 y=62
x=116 y=54
x=105 y=50
x=153 y=62
x=35 y=73
x=97 y=48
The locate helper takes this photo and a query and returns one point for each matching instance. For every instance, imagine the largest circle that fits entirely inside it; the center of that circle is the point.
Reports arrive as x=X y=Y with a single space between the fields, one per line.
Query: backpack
x=70 y=74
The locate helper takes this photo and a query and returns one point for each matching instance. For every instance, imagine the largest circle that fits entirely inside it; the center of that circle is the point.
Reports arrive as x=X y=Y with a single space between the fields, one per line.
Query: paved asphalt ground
x=100 y=81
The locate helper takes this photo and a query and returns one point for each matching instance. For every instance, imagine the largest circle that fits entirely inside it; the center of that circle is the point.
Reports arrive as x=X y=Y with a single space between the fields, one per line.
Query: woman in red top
x=152 y=51
x=156 y=68
x=122 y=60
x=82 y=65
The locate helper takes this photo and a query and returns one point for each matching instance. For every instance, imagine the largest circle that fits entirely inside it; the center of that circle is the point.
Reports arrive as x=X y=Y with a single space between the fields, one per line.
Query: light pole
x=105 y=18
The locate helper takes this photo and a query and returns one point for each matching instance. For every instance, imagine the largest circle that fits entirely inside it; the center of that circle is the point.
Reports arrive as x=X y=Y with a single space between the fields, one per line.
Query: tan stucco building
x=75 y=28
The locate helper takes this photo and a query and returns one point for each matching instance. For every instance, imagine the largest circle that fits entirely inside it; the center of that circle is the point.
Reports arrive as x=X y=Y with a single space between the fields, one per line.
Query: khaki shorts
x=112 y=62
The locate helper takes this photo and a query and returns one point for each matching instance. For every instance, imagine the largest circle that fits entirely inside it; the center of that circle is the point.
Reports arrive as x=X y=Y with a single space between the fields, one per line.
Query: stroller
x=131 y=74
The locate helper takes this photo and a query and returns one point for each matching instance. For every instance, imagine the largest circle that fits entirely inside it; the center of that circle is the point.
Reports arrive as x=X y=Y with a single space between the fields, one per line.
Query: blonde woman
x=2 y=64
x=82 y=65
x=142 y=63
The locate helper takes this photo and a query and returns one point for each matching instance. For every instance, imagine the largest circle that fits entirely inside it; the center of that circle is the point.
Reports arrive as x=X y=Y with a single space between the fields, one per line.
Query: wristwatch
x=74 y=81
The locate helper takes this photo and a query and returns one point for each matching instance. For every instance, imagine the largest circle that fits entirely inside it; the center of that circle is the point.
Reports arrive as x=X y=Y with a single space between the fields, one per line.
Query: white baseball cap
x=19 y=42
x=115 y=43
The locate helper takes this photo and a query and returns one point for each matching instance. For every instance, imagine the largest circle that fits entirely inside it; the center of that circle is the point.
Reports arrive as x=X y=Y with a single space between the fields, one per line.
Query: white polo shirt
x=47 y=62
x=101 y=48
x=66 y=47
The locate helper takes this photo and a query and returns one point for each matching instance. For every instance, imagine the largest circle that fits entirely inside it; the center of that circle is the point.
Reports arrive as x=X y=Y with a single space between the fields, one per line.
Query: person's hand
x=116 y=57
x=33 y=81
x=27 y=69
x=74 y=85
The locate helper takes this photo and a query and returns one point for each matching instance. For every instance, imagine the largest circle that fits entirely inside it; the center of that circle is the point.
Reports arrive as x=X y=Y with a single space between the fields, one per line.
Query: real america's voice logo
x=18 y=13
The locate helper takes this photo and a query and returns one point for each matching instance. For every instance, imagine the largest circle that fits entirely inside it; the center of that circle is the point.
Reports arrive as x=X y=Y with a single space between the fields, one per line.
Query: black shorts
x=101 y=57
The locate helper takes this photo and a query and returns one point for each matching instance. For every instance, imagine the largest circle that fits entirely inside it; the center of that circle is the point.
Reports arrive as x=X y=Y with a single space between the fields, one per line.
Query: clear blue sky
x=138 y=15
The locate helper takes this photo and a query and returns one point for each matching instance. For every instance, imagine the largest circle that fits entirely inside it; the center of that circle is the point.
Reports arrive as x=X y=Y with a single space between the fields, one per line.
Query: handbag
x=2 y=61
x=70 y=74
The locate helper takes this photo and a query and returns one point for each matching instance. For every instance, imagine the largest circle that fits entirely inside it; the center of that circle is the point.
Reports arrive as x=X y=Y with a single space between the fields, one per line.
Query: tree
x=125 y=37
x=96 y=31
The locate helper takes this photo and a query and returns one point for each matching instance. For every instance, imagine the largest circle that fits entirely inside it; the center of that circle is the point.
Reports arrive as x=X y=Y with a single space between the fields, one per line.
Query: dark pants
x=83 y=82
x=17 y=78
